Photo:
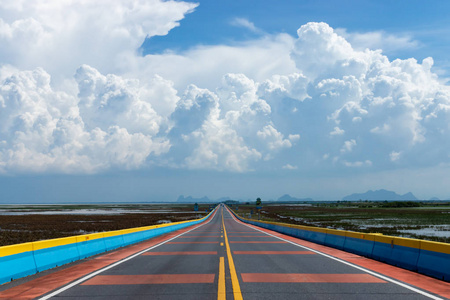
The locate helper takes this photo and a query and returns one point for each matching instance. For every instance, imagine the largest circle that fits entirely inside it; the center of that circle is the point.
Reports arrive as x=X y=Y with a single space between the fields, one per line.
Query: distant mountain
x=288 y=198
x=380 y=195
x=435 y=199
x=190 y=199
x=223 y=199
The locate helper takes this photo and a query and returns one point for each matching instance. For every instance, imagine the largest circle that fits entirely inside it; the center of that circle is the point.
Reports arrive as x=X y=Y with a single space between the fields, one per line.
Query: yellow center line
x=221 y=292
x=234 y=279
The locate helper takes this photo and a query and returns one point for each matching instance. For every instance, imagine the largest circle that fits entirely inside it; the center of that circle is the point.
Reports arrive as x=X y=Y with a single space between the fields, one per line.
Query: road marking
x=257 y=242
x=183 y=253
x=346 y=263
x=192 y=242
x=150 y=279
x=316 y=278
x=247 y=236
x=234 y=279
x=274 y=252
x=59 y=291
x=198 y=236
x=221 y=291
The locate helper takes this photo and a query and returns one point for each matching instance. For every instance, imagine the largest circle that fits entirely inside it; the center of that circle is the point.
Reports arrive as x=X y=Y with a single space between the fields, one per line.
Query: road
x=227 y=259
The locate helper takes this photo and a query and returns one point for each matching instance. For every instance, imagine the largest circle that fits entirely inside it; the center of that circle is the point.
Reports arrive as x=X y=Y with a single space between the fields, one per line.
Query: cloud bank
x=77 y=97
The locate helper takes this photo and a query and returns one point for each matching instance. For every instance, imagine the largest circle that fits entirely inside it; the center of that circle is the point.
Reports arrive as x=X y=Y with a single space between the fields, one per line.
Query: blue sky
x=149 y=100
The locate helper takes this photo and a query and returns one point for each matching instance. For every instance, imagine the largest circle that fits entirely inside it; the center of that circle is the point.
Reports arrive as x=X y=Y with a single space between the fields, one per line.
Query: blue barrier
x=17 y=265
x=404 y=257
x=358 y=246
x=335 y=239
x=113 y=242
x=434 y=264
x=132 y=238
x=51 y=257
x=91 y=247
x=314 y=236
x=382 y=248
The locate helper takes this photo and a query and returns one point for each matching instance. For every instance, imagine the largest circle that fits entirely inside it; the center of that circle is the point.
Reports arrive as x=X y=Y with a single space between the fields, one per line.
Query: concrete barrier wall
x=17 y=261
x=429 y=258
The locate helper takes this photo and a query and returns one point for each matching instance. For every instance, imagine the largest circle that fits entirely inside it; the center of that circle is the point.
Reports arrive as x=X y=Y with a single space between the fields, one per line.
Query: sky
x=136 y=100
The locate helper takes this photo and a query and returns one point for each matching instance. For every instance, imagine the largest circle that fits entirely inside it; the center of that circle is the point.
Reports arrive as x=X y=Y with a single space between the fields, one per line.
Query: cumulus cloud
x=228 y=129
x=65 y=108
x=60 y=36
x=106 y=126
x=273 y=138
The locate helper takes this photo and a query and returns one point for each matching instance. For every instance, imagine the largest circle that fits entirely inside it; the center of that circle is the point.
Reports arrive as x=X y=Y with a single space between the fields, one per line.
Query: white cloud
x=337 y=131
x=62 y=35
x=274 y=139
x=294 y=137
x=395 y=156
x=290 y=167
x=245 y=23
x=379 y=40
x=357 y=164
x=205 y=66
x=221 y=107
x=381 y=130
x=348 y=146
x=47 y=130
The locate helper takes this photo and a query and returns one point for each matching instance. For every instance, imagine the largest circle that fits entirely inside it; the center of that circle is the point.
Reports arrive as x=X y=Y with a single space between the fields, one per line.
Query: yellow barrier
x=406 y=242
x=336 y=232
x=89 y=237
x=14 y=249
x=54 y=243
x=360 y=235
x=435 y=246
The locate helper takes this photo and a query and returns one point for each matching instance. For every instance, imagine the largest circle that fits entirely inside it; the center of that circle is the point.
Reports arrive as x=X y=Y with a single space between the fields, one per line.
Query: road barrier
x=425 y=257
x=17 y=261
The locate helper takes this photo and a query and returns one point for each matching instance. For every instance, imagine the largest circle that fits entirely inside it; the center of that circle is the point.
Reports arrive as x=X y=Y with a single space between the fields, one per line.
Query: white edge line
x=70 y=285
x=349 y=264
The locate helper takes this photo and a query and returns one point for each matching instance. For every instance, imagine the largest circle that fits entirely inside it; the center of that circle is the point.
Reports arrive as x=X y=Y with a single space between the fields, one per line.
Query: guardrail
x=20 y=260
x=425 y=257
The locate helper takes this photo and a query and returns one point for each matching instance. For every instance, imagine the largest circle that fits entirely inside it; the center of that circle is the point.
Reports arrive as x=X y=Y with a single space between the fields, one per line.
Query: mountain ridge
x=381 y=194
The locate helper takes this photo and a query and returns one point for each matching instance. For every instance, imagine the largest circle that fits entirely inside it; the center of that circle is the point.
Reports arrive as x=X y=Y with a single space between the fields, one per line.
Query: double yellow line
x=221 y=295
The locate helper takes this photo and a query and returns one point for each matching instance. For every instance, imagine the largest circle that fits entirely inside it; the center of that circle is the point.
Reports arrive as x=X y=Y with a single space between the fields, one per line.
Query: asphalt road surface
x=227 y=259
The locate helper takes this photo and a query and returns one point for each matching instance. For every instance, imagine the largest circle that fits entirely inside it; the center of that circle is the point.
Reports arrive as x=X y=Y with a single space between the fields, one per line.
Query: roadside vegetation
x=412 y=219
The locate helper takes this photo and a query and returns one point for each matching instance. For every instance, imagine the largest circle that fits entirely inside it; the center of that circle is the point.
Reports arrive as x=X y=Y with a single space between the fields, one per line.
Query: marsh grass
x=16 y=229
x=429 y=222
